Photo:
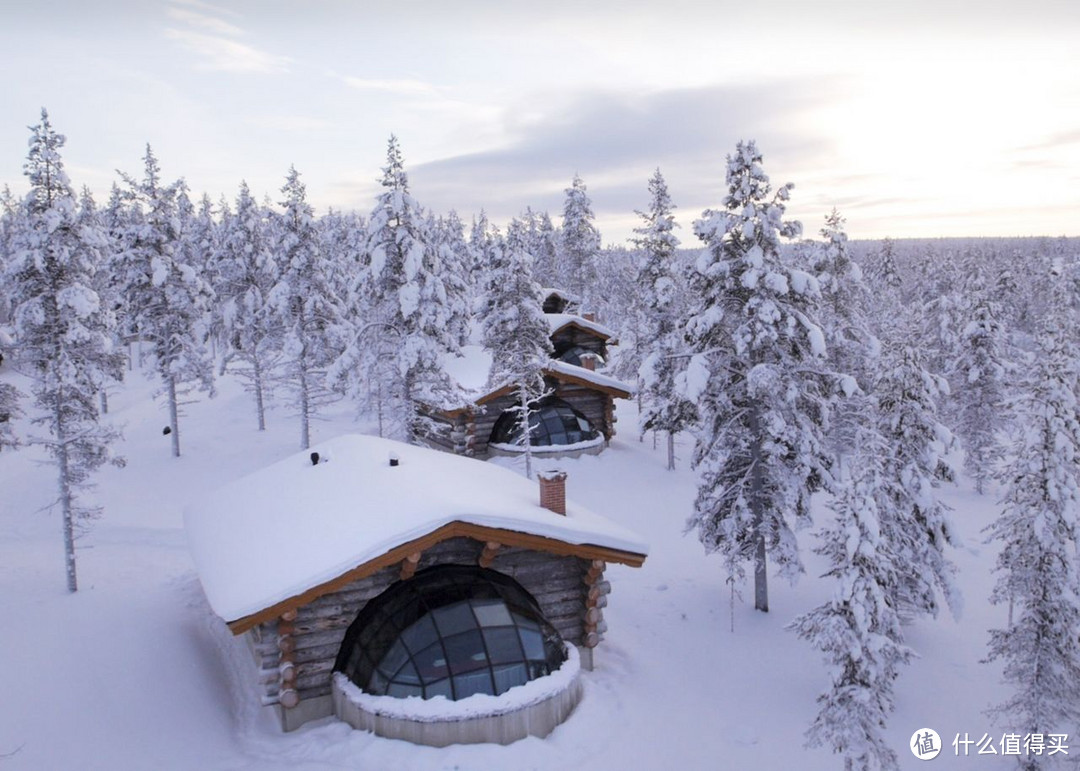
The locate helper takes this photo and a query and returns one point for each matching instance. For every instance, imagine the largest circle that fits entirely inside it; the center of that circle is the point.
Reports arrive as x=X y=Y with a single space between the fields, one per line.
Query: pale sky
x=933 y=119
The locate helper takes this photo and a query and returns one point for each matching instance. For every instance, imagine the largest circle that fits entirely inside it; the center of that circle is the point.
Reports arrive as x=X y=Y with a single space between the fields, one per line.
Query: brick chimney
x=588 y=361
x=588 y=315
x=553 y=491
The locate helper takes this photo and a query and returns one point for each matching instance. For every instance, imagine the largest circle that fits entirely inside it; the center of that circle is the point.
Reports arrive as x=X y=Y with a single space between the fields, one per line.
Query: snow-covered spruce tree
x=852 y=347
x=858 y=628
x=542 y=242
x=306 y=305
x=166 y=300
x=248 y=271
x=408 y=331
x=516 y=332
x=103 y=285
x=981 y=375
x=453 y=254
x=63 y=332
x=10 y=220
x=579 y=244
x=1039 y=533
x=913 y=518
x=660 y=297
x=757 y=376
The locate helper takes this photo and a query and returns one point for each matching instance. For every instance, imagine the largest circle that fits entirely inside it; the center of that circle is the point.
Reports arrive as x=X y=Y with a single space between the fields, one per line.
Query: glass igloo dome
x=450 y=630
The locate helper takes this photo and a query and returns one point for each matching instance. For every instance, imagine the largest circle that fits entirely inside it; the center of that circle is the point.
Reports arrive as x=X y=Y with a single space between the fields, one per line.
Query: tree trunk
x=526 y=438
x=103 y=398
x=671 y=450
x=66 y=507
x=757 y=506
x=174 y=415
x=260 y=407
x=305 y=407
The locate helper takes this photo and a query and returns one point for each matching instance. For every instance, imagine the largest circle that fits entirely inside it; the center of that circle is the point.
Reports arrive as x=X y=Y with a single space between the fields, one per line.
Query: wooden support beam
x=487 y=556
x=408 y=565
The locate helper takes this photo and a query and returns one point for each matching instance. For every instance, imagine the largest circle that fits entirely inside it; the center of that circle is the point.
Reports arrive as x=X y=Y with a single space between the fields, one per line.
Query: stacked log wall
x=596 y=406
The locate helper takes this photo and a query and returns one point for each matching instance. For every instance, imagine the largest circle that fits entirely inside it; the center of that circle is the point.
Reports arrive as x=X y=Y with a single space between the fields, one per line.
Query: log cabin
x=577 y=417
x=370 y=571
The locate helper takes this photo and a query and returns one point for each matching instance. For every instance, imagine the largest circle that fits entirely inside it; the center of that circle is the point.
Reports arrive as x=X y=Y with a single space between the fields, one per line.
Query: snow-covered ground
x=135 y=672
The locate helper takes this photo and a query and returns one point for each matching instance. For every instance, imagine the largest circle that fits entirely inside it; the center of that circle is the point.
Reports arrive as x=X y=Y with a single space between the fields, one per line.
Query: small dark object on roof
x=314 y=459
x=166 y=431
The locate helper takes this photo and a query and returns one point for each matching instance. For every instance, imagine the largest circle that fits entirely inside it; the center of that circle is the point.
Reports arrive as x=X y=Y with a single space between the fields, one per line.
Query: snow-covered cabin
x=579 y=415
x=369 y=571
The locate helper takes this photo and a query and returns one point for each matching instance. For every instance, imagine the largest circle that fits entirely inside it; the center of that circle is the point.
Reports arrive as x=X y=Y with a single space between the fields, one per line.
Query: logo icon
x=925 y=744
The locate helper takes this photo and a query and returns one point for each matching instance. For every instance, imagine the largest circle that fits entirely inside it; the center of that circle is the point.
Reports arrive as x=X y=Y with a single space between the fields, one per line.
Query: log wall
x=296 y=653
x=568 y=337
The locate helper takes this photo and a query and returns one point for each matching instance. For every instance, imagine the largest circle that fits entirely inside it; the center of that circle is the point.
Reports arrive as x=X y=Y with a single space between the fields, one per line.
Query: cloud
x=225 y=55
x=401 y=87
x=214 y=40
x=209 y=23
x=615 y=140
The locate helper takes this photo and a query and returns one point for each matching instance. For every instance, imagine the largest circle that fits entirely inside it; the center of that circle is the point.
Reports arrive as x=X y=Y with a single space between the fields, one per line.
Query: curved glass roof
x=450 y=630
x=573 y=354
x=554 y=423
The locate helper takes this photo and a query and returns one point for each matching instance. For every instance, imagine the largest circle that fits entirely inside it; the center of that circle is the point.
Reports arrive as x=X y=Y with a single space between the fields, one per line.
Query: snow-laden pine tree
x=10 y=220
x=64 y=333
x=853 y=348
x=248 y=270
x=543 y=244
x=757 y=376
x=408 y=332
x=579 y=244
x=660 y=298
x=166 y=299
x=1039 y=533
x=858 y=628
x=980 y=381
x=89 y=217
x=516 y=332
x=913 y=517
x=306 y=305
x=453 y=254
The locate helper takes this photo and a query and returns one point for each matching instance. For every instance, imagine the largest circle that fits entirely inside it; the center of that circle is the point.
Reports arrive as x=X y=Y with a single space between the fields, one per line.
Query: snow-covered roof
x=567 y=370
x=471 y=370
x=562 y=320
x=293 y=526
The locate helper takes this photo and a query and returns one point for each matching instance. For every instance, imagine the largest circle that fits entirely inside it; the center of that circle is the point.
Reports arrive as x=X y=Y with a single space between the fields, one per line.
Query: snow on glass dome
x=573 y=354
x=554 y=423
x=450 y=630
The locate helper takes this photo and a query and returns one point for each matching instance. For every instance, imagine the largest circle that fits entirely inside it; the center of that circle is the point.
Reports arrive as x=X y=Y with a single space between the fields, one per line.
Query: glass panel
x=438 y=688
x=400 y=690
x=503 y=645
x=455 y=618
x=377 y=684
x=431 y=663
x=506 y=677
x=475 y=682
x=466 y=652
x=407 y=674
x=420 y=635
x=394 y=658
x=533 y=644
x=492 y=613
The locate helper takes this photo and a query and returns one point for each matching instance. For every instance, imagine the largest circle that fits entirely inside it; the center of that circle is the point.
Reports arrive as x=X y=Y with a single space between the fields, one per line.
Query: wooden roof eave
x=446 y=532
x=618 y=393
